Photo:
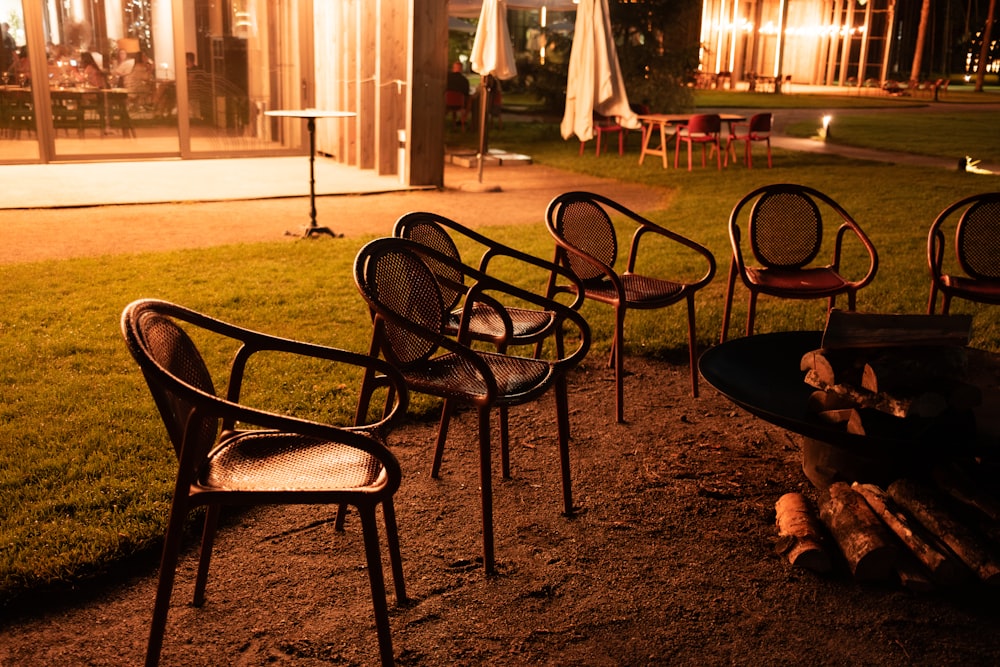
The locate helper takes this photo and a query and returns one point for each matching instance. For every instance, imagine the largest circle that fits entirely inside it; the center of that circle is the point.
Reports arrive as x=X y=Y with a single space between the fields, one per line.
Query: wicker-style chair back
x=231 y=453
x=785 y=229
x=587 y=245
x=782 y=224
x=976 y=221
x=395 y=278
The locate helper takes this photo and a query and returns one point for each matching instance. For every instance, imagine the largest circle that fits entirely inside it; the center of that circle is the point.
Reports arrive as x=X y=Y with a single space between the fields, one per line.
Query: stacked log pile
x=924 y=535
x=937 y=526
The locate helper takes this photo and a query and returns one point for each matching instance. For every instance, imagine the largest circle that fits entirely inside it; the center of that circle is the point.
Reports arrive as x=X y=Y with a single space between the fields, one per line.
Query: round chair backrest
x=396 y=281
x=587 y=227
x=423 y=229
x=785 y=229
x=977 y=238
x=164 y=343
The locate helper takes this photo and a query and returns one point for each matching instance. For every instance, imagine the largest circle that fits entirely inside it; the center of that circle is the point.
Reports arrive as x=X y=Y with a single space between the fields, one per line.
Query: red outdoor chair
x=587 y=244
x=757 y=129
x=606 y=125
x=975 y=273
x=783 y=227
x=701 y=129
x=456 y=104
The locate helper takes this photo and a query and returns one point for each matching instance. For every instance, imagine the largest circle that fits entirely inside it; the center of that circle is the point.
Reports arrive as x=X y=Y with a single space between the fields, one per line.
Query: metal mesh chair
x=510 y=326
x=587 y=245
x=784 y=229
x=410 y=329
x=230 y=453
x=976 y=274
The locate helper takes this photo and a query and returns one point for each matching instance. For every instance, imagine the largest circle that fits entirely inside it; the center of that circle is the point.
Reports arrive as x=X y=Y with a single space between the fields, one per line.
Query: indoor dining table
x=659 y=122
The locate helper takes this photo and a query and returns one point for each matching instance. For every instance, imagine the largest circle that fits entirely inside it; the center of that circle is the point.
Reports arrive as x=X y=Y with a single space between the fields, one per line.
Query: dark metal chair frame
x=232 y=454
x=977 y=251
x=409 y=329
x=590 y=251
x=527 y=326
x=784 y=230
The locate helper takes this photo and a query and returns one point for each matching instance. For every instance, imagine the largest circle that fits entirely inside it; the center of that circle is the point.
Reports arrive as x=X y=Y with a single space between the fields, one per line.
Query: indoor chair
x=975 y=274
x=587 y=244
x=232 y=454
x=409 y=328
x=783 y=227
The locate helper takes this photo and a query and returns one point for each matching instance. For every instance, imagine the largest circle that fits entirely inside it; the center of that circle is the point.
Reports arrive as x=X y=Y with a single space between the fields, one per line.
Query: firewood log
x=800 y=535
x=941 y=563
x=846 y=329
x=866 y=543
x=962 y=487
x=863 y=398
x=924 y=505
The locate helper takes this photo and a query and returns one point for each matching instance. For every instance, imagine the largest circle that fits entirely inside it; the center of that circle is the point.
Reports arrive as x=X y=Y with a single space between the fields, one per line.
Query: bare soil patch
x=670 y=560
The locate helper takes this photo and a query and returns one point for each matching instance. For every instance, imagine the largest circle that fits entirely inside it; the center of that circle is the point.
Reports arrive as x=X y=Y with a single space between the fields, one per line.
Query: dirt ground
x=670 y=559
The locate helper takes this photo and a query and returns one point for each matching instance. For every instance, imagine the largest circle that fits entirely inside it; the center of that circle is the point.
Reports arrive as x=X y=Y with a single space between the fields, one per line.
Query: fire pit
x=762 y=375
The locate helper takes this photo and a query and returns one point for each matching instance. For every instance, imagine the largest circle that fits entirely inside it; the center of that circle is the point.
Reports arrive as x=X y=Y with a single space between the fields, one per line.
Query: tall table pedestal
x=310 y=115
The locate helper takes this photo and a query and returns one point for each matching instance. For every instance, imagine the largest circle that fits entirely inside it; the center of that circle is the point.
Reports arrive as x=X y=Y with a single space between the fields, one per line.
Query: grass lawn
x=85 y=470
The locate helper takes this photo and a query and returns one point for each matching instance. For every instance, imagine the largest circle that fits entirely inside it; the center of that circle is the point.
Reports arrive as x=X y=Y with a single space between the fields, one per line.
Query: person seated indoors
x=124 y=64
x=90 y=73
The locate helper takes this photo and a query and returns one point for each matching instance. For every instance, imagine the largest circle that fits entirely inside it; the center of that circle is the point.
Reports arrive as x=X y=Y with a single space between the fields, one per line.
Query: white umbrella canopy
x=472 y=8
x=492 y=52
x=595 y=78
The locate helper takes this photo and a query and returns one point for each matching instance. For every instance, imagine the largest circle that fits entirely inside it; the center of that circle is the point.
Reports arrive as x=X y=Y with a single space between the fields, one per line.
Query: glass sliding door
x=112 y=77
x=245 y=57
x=131 y=79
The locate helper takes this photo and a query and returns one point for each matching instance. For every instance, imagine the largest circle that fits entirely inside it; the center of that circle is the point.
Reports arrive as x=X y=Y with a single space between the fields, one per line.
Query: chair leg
x=692 y=346
x=205 y=558
x=749 y=154
x=582 y=144
x=618 y=344
x=751 y=312
x=728 y=305
x=165 y=586
x=486 y=490
x=562 y=416
x=945 y=303
x=395 y=557
x=373 y=557
x=621 y=142
x=931 y=299
x=446 y=412
x=769 y=152
x=502 y=413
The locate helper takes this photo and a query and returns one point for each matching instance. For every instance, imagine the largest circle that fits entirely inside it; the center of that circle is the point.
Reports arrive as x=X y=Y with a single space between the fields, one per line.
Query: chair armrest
x=849 y=226
x=647 y=227
x=500 y=250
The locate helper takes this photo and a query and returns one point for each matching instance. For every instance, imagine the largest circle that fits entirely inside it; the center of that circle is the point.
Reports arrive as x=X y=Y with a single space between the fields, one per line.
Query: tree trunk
x=984 y=51
x=918 y=52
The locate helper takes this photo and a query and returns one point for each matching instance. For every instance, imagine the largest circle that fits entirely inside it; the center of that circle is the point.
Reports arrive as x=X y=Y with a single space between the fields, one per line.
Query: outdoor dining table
x=658 y=122
x=311 y=115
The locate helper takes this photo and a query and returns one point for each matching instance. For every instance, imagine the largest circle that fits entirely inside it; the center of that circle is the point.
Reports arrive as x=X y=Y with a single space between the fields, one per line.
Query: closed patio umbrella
x=493 y=58
x=595 y=78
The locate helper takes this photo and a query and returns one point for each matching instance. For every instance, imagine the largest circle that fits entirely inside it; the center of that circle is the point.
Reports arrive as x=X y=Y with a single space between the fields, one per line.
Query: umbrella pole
x=484 y=99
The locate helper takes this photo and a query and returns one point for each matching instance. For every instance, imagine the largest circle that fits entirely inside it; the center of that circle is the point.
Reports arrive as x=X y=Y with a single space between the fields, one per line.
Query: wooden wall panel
x=386 y=60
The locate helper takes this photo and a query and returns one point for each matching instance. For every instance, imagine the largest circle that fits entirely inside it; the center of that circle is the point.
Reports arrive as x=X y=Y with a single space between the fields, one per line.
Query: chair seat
x=807 y=283
x=987 y=291
x=640 y=291
x=267 y=461
x=486 y=322
x=518 y=378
